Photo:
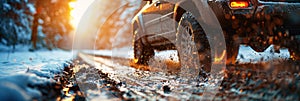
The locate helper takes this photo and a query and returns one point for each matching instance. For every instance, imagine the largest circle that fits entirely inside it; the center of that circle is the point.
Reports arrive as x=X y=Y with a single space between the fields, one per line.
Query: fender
x=197 y=7
x=180 y=8
x=208 y=21
x=138 y=22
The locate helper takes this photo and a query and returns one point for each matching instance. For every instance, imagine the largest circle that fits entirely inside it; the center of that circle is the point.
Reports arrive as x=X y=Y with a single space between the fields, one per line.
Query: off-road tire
x=195 y=53
x=294 y=50
x=232 y=50
x=142 y=52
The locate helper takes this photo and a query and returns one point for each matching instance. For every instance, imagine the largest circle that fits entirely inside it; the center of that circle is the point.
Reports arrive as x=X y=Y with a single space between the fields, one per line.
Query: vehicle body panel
x=247 y=23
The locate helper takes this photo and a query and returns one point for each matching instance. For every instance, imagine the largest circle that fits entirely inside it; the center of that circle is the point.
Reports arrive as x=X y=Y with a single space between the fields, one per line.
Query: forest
x=39 y=23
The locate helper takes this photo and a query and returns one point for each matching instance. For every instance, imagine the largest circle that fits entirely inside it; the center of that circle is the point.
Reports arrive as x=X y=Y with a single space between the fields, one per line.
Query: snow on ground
x=125 y=52
x=246 y=54
x=15 y=87
x=21 y=69
x=41 y=62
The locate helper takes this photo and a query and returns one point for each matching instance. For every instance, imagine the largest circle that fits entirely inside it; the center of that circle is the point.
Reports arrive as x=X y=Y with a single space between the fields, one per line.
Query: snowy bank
x=20 y=87
x=42 y=62
x=27 y=75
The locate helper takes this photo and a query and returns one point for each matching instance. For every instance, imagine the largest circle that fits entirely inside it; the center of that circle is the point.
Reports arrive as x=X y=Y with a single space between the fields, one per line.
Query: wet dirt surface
x=105 y=78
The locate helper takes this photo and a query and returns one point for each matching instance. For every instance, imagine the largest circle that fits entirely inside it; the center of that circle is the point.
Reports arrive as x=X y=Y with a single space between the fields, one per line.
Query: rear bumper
x=266 y=20
x=260 y=25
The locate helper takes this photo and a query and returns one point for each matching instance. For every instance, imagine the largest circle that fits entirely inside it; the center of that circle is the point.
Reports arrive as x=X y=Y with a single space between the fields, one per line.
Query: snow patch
x=35 y=62
x=17 y=87
x=125 y=52
x=23 y=71
x=246 y=54
x=31 y=8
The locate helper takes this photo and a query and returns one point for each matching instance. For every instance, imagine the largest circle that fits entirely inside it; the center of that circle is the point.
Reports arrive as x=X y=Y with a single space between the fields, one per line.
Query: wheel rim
x=193 y=50
x=187 y=52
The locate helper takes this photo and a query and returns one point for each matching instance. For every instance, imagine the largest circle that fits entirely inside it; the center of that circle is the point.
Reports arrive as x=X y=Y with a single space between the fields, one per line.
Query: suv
x=170 y=24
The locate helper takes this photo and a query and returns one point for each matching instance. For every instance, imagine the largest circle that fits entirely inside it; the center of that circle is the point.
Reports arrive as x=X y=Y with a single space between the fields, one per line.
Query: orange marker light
x=239 y=4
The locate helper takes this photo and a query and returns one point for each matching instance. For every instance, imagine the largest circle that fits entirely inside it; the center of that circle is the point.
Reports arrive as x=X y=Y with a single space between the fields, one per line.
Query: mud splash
x=267 y=81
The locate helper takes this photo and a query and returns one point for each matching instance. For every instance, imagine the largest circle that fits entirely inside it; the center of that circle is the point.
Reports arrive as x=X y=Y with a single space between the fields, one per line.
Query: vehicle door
x=168 y=29
x=151 y=19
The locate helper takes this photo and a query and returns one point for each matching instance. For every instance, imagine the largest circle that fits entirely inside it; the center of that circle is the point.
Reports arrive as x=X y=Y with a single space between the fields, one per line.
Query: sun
x=78 y=9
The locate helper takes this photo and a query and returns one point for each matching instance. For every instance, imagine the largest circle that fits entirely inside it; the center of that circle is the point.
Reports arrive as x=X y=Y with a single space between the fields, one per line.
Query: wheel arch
x=137 y=22
x=208 y=20
x=134 y=25
x=179 y=10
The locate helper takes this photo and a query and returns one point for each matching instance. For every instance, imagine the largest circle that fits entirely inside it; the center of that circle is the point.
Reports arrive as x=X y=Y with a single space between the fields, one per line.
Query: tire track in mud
x=124 y=79
x=117 y=79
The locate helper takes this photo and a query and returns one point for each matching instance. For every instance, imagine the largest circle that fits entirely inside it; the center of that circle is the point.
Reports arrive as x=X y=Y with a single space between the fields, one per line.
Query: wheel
x=142 y=52
x=232 y=50
x=193 y=47
x=294 y=50
x=295 y=54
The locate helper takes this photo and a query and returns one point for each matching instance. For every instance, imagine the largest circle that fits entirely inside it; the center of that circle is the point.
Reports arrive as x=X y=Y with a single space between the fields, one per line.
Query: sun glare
x=78 y=9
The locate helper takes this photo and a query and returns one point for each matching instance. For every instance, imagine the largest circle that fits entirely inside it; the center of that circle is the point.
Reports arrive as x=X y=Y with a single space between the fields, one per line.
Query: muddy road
x=102 y=77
